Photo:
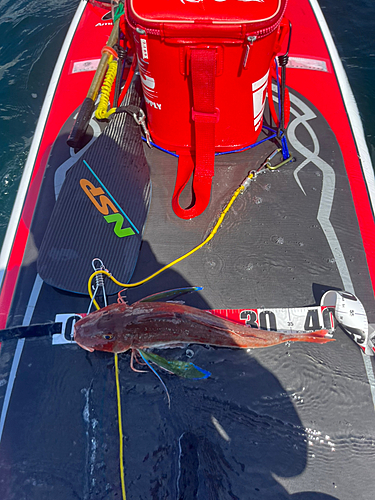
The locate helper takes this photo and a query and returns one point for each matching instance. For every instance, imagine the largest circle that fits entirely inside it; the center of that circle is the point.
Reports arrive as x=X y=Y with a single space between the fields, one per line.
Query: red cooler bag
x=204 y=66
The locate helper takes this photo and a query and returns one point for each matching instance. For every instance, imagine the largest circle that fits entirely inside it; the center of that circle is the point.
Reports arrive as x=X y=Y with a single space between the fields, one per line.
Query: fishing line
x=245 y=184
x=119 y=418
x=121 y=435
x=159 y=377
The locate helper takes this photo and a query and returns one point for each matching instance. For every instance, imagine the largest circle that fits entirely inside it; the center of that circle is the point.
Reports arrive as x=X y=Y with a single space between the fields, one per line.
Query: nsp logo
x=105 y=205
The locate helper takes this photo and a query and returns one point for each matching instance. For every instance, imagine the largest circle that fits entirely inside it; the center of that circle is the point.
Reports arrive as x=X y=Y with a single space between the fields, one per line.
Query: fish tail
x=319 y=337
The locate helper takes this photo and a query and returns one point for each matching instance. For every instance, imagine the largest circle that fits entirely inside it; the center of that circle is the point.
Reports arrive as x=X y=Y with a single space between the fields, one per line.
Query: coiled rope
x=102 y=112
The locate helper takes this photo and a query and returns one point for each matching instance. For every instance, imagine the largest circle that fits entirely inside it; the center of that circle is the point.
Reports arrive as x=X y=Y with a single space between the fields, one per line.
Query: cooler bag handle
x=205 y=116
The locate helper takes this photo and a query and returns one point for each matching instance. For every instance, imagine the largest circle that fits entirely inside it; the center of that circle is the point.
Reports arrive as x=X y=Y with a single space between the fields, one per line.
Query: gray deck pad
x=290 y=422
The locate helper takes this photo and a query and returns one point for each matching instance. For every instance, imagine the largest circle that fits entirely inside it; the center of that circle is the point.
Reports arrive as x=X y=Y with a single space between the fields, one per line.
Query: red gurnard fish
x=119 y=327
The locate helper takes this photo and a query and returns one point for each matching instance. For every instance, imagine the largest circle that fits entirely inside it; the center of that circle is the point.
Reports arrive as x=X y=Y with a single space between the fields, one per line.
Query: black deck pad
x=290 y=422
x=100 y=211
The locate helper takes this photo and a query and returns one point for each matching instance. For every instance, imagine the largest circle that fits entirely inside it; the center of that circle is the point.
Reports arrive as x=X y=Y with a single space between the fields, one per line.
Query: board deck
x=289 y=422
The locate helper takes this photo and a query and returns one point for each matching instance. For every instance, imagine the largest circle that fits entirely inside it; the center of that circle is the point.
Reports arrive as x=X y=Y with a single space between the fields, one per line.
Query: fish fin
x=143 y=356
x=181 y=368
x=169 y=294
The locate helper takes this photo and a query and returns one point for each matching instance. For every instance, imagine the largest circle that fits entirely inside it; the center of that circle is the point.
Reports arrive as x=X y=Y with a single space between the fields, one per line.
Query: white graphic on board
x=301 y=114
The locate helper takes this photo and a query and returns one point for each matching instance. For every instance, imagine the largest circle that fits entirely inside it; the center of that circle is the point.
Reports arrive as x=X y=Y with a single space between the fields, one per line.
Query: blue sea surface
x=31 y=35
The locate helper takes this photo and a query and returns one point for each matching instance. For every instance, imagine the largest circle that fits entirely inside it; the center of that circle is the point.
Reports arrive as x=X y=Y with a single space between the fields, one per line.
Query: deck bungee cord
x=81 y=123
x=87 y=107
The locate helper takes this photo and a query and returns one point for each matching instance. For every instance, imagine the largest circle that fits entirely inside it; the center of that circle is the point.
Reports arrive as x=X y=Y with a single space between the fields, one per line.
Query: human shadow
x=227 y=437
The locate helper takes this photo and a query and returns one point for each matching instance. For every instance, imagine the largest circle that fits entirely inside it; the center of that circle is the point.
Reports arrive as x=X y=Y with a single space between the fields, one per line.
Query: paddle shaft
x=87 y=108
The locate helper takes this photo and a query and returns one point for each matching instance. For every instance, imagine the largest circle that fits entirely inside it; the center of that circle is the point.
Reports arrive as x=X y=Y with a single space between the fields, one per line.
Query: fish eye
x=108 y=336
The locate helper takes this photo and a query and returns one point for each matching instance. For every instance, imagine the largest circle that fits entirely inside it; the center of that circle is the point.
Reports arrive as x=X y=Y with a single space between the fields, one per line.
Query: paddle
x=101 y=209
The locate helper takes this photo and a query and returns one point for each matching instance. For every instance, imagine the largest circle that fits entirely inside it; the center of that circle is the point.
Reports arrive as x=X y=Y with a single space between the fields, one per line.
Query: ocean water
x=31 y=35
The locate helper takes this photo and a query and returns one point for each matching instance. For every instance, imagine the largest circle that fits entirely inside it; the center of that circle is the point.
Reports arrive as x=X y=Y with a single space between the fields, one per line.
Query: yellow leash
x=102 y=112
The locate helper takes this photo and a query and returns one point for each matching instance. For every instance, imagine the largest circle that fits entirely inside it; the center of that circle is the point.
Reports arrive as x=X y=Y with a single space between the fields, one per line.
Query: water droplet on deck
x=279 y=240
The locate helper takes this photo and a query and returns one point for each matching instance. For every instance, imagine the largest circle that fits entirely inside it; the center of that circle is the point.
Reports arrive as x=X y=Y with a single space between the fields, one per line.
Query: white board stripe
x=350 y=103
x=32 y=300
x=29 y=167
x=19 y=348
x=12 y=377
x=370 y=374
x=359 y=137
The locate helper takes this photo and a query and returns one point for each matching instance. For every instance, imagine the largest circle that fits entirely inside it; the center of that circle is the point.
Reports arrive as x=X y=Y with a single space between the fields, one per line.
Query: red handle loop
x=205 y=115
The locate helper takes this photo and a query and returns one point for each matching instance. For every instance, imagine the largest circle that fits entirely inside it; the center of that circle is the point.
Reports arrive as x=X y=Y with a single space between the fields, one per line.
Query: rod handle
x=80 y=126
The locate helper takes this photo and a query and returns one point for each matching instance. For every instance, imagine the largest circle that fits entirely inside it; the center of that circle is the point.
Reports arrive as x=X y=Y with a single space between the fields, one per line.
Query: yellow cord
x=122 y=475
x=101 y=112
x=119 y=417
x=209 y=237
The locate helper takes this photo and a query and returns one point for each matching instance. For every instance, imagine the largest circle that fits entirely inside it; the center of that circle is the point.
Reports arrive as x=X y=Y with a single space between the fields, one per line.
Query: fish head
x=103 y=330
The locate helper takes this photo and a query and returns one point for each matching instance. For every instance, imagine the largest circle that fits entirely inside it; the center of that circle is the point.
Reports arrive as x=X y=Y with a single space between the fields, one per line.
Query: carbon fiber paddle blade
x=100 y=211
